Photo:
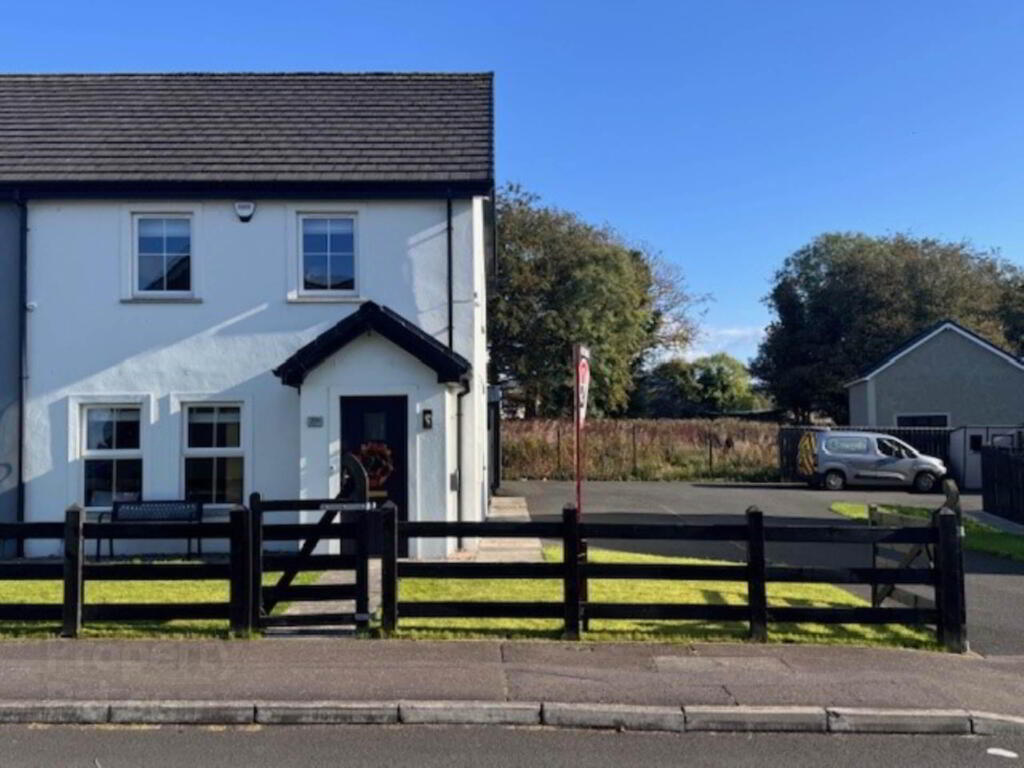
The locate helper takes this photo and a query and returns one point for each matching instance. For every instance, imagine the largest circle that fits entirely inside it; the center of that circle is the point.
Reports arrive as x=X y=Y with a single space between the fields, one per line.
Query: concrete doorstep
x=622 y=717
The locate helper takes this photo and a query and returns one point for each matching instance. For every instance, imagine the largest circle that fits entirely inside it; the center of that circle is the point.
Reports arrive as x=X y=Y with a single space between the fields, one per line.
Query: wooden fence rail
x=945 y=577
x=247 y=608
x=74 y=571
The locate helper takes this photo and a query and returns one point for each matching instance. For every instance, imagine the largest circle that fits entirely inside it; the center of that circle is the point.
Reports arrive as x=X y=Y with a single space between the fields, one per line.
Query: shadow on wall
x=8 y=473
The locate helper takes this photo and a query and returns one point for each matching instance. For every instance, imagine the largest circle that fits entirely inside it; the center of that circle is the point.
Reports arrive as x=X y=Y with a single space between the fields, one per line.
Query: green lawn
x=644 y=591
x=130 y=592
x=978 y=536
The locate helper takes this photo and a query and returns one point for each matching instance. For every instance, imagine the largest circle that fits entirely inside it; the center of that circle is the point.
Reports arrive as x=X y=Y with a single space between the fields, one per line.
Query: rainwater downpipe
x=459 y=495
x=22 y=357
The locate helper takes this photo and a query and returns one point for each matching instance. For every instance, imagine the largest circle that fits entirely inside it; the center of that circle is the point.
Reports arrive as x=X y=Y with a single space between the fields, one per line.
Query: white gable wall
x=85 y=342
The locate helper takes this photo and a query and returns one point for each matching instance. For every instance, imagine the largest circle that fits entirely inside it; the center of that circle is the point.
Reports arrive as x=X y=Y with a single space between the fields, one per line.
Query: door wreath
x=376 y=459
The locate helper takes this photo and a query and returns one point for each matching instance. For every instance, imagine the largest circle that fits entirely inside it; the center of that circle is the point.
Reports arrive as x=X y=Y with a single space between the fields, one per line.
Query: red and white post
x=581 y=364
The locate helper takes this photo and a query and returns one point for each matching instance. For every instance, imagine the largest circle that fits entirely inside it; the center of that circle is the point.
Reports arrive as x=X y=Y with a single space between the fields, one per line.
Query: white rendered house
x=221 y=283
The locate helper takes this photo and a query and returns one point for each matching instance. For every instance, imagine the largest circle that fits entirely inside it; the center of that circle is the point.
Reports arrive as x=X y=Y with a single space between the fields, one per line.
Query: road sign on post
x=581 y=365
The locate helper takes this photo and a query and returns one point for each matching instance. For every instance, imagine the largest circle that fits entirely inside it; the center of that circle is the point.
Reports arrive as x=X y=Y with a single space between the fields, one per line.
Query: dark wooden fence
x=933 y=441
x=1002 y=479
x=945 y=577
x=250 y=602
x=74 y=572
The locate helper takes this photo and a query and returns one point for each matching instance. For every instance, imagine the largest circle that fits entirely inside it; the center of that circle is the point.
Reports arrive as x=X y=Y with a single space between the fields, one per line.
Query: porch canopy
x=448 y=364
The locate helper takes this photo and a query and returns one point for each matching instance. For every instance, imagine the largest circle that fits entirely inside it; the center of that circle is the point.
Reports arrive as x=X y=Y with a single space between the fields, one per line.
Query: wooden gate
x=346 y=520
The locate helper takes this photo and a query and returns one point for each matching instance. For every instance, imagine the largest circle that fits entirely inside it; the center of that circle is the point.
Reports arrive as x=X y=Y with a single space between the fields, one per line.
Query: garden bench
x=153 y=511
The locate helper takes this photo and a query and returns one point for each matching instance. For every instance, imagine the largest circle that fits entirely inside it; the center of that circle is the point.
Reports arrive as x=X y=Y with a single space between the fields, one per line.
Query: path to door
x=995 y=587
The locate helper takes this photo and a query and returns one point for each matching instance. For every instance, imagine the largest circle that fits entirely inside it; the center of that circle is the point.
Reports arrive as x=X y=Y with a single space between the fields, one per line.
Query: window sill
x=335 y=299
x=162 y=300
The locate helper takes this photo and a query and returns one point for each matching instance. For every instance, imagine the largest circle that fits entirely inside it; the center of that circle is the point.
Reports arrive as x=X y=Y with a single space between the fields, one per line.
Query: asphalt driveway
x=995 y=587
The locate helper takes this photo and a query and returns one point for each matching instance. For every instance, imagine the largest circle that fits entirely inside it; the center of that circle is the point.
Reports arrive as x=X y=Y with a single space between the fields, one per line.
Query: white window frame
x=243 y=451
x=81 y=453
x=918 y=414
x=297 y=292
x=130 y=215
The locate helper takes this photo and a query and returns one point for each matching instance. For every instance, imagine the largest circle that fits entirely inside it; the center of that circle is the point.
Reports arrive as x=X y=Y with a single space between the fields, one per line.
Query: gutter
x=23 y=357
x=459 y=495
x=451 y=277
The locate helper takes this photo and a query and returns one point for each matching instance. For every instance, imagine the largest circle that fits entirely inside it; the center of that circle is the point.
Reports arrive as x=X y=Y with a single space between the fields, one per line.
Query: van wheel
x=835 y=480
x=925 y=482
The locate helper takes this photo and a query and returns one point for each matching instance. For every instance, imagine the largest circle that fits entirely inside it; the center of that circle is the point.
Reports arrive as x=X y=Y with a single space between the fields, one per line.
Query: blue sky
x=723 y=133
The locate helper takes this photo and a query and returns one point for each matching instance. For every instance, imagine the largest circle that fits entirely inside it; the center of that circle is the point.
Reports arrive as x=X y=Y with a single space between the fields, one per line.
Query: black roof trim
x=449 y=365
x=918 y=338
x=246 y=191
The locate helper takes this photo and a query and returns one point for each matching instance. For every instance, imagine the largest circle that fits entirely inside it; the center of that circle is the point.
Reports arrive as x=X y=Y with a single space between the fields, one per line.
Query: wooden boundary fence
x=1002 y=473
x=945 y=577
x=247 y=610
x=74 y=571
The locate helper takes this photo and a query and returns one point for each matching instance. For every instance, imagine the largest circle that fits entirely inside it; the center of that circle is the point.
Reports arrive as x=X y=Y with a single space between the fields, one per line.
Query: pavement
x=343 y=669
x=453 y=747
x=995 y=586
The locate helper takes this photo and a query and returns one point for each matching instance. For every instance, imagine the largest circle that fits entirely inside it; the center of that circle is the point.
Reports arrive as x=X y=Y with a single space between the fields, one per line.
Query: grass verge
x=130 y=592
x=645 y=591
x=978 y=536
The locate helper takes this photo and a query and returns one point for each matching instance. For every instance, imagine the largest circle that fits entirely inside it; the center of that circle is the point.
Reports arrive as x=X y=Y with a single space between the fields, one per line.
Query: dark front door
x=375 y=430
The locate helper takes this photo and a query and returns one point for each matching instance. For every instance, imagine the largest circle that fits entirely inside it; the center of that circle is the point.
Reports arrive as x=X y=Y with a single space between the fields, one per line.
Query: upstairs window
x=327 y=254
x=163 y=256
x=112 y=453
x=214 y=458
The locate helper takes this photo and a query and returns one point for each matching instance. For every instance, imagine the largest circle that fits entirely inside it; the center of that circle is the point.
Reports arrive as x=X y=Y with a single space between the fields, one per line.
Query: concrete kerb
x=628 y=717
x=469 y=712
x=753 y=719
x=617 y=716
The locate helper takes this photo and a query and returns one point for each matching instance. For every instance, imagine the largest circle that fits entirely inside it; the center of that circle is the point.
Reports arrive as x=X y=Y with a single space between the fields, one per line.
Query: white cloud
x=740 y=342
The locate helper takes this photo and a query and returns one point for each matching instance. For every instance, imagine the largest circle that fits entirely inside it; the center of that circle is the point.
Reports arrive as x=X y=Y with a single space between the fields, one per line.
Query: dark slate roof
x=917 y=339
x=449 y=365
x=246 y=127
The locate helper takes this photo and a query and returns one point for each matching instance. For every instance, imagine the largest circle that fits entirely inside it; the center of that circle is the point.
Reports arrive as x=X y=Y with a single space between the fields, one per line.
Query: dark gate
x=345 y=519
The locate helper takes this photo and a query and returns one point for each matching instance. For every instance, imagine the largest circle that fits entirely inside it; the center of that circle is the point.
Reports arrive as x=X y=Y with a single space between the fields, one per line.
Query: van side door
x=892 y=464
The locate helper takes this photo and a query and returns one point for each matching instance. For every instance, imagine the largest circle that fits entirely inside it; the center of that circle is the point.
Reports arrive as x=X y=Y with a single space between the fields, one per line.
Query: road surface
x=447 y=747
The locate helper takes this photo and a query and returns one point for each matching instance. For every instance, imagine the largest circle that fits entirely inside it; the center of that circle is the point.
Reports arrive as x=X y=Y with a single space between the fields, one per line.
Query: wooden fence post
x=952 y=629
x=635 y=468
x=362 y=569
x=872 y=520
x=389 y=568
x=571 y=587
x=74 y=588
x=256 y=558
x=241 y=572
x=757 y=598
x=558 y=448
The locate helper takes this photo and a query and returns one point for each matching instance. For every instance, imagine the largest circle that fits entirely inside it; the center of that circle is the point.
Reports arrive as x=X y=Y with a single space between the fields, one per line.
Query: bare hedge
x=642 y=449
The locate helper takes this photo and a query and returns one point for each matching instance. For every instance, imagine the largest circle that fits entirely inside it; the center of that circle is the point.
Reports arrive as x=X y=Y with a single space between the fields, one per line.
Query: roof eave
x=249 y=190
x=447 y=364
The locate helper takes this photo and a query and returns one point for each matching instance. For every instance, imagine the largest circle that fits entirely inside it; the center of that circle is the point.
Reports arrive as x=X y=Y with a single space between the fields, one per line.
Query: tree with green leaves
x=560 y=281
x=846 y=299
x=677 y=389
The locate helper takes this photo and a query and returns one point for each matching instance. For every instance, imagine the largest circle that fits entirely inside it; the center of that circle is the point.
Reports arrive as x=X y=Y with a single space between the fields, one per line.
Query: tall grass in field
x=643 y=449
